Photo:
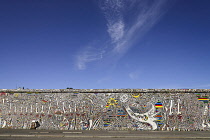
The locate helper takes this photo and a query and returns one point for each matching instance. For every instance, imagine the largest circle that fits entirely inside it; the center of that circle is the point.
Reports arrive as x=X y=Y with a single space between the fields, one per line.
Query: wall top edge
x=105 y=90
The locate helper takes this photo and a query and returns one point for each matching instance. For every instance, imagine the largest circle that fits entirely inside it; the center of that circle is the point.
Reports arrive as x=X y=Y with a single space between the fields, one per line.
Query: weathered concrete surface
x=105 y=90
x=111 y=110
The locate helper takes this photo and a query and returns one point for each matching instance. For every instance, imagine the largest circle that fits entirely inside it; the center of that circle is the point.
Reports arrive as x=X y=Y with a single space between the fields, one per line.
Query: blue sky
x=104 y=44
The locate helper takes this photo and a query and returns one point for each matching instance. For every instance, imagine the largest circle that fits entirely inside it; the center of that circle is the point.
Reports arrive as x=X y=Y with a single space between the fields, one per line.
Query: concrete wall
x=106 y=90
x=105 y=111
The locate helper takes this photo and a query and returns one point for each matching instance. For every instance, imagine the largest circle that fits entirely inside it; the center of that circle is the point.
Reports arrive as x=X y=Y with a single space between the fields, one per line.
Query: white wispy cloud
x=123 y=33
x=148 y=15
x=113 y=13
x=88 y=55
x=134 y=75
x=116 y=31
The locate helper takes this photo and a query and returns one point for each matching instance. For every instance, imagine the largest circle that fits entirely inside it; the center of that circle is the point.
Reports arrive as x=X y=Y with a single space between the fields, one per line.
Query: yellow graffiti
x=16 y=94
x=112 y=102
x=136 y=95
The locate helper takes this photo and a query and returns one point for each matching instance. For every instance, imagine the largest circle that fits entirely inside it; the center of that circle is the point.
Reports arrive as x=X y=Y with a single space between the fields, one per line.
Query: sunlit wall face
x=105 y=111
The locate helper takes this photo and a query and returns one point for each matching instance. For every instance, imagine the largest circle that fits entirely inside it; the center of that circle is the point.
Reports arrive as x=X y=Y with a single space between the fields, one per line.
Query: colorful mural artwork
x=105 y=111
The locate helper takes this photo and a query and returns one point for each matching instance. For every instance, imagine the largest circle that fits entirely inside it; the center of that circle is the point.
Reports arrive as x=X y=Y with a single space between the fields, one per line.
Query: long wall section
x=116 y=109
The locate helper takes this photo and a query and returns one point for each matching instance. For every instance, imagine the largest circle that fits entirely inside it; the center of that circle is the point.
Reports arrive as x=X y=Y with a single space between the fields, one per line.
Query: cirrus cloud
x=123 y=33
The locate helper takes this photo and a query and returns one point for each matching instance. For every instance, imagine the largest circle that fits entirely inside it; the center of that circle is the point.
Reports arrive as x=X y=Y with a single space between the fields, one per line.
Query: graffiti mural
x=105 y=111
